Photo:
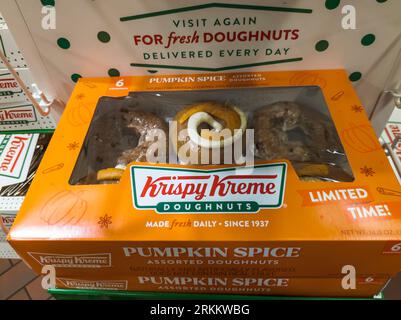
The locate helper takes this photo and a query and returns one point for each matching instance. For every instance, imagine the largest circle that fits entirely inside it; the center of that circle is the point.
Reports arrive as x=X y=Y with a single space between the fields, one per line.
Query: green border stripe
x=164 y=66
x=215 y=5
x=80 y=294
x=27 y=131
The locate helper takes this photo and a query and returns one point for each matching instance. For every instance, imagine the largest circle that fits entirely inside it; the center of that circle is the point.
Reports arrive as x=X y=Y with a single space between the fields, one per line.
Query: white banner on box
x=141 y=37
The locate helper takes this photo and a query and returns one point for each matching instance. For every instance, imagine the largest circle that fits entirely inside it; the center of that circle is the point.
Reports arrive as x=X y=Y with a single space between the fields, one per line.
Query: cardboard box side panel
x=290 y=259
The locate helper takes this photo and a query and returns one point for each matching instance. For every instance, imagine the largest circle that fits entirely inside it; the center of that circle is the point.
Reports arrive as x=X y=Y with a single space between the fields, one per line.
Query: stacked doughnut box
x=237 y=183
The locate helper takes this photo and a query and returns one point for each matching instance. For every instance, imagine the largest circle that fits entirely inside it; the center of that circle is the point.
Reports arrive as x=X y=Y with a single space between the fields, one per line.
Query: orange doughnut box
x=137 y=183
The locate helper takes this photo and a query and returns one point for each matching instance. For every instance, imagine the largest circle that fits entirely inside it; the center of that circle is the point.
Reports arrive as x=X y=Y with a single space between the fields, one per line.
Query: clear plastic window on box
x=198 y=127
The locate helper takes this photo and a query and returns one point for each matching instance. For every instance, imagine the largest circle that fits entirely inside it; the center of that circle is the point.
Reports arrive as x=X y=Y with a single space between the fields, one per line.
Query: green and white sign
x=112 y=38
x=16 y=152
x=10 y=91
x=21 y=114
x=206 y=38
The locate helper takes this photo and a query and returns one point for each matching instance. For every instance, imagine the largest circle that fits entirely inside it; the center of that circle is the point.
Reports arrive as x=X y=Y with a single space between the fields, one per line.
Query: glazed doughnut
x=109 y=174
x=137 y=127
x=284 y=130
x=317 y=172
x=202 y=125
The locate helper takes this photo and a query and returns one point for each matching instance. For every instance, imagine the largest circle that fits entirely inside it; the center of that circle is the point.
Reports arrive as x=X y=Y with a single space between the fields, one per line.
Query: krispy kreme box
x=304 y=198
x=11 y=92
x=366 y=286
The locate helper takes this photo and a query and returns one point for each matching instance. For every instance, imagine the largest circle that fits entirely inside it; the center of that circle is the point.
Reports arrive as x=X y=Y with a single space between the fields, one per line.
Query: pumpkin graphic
x=360 y=139
x=65 y=207
x=79 y=115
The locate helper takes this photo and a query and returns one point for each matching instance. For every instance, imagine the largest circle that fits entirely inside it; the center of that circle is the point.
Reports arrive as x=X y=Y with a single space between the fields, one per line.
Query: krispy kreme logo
x=13 y=153
x=7 y=220
x=393 y=132
x=8 y=83
x=22 y=114
x=96 y=260
x=94 y=284
x=8 y=87
x=223 y=190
